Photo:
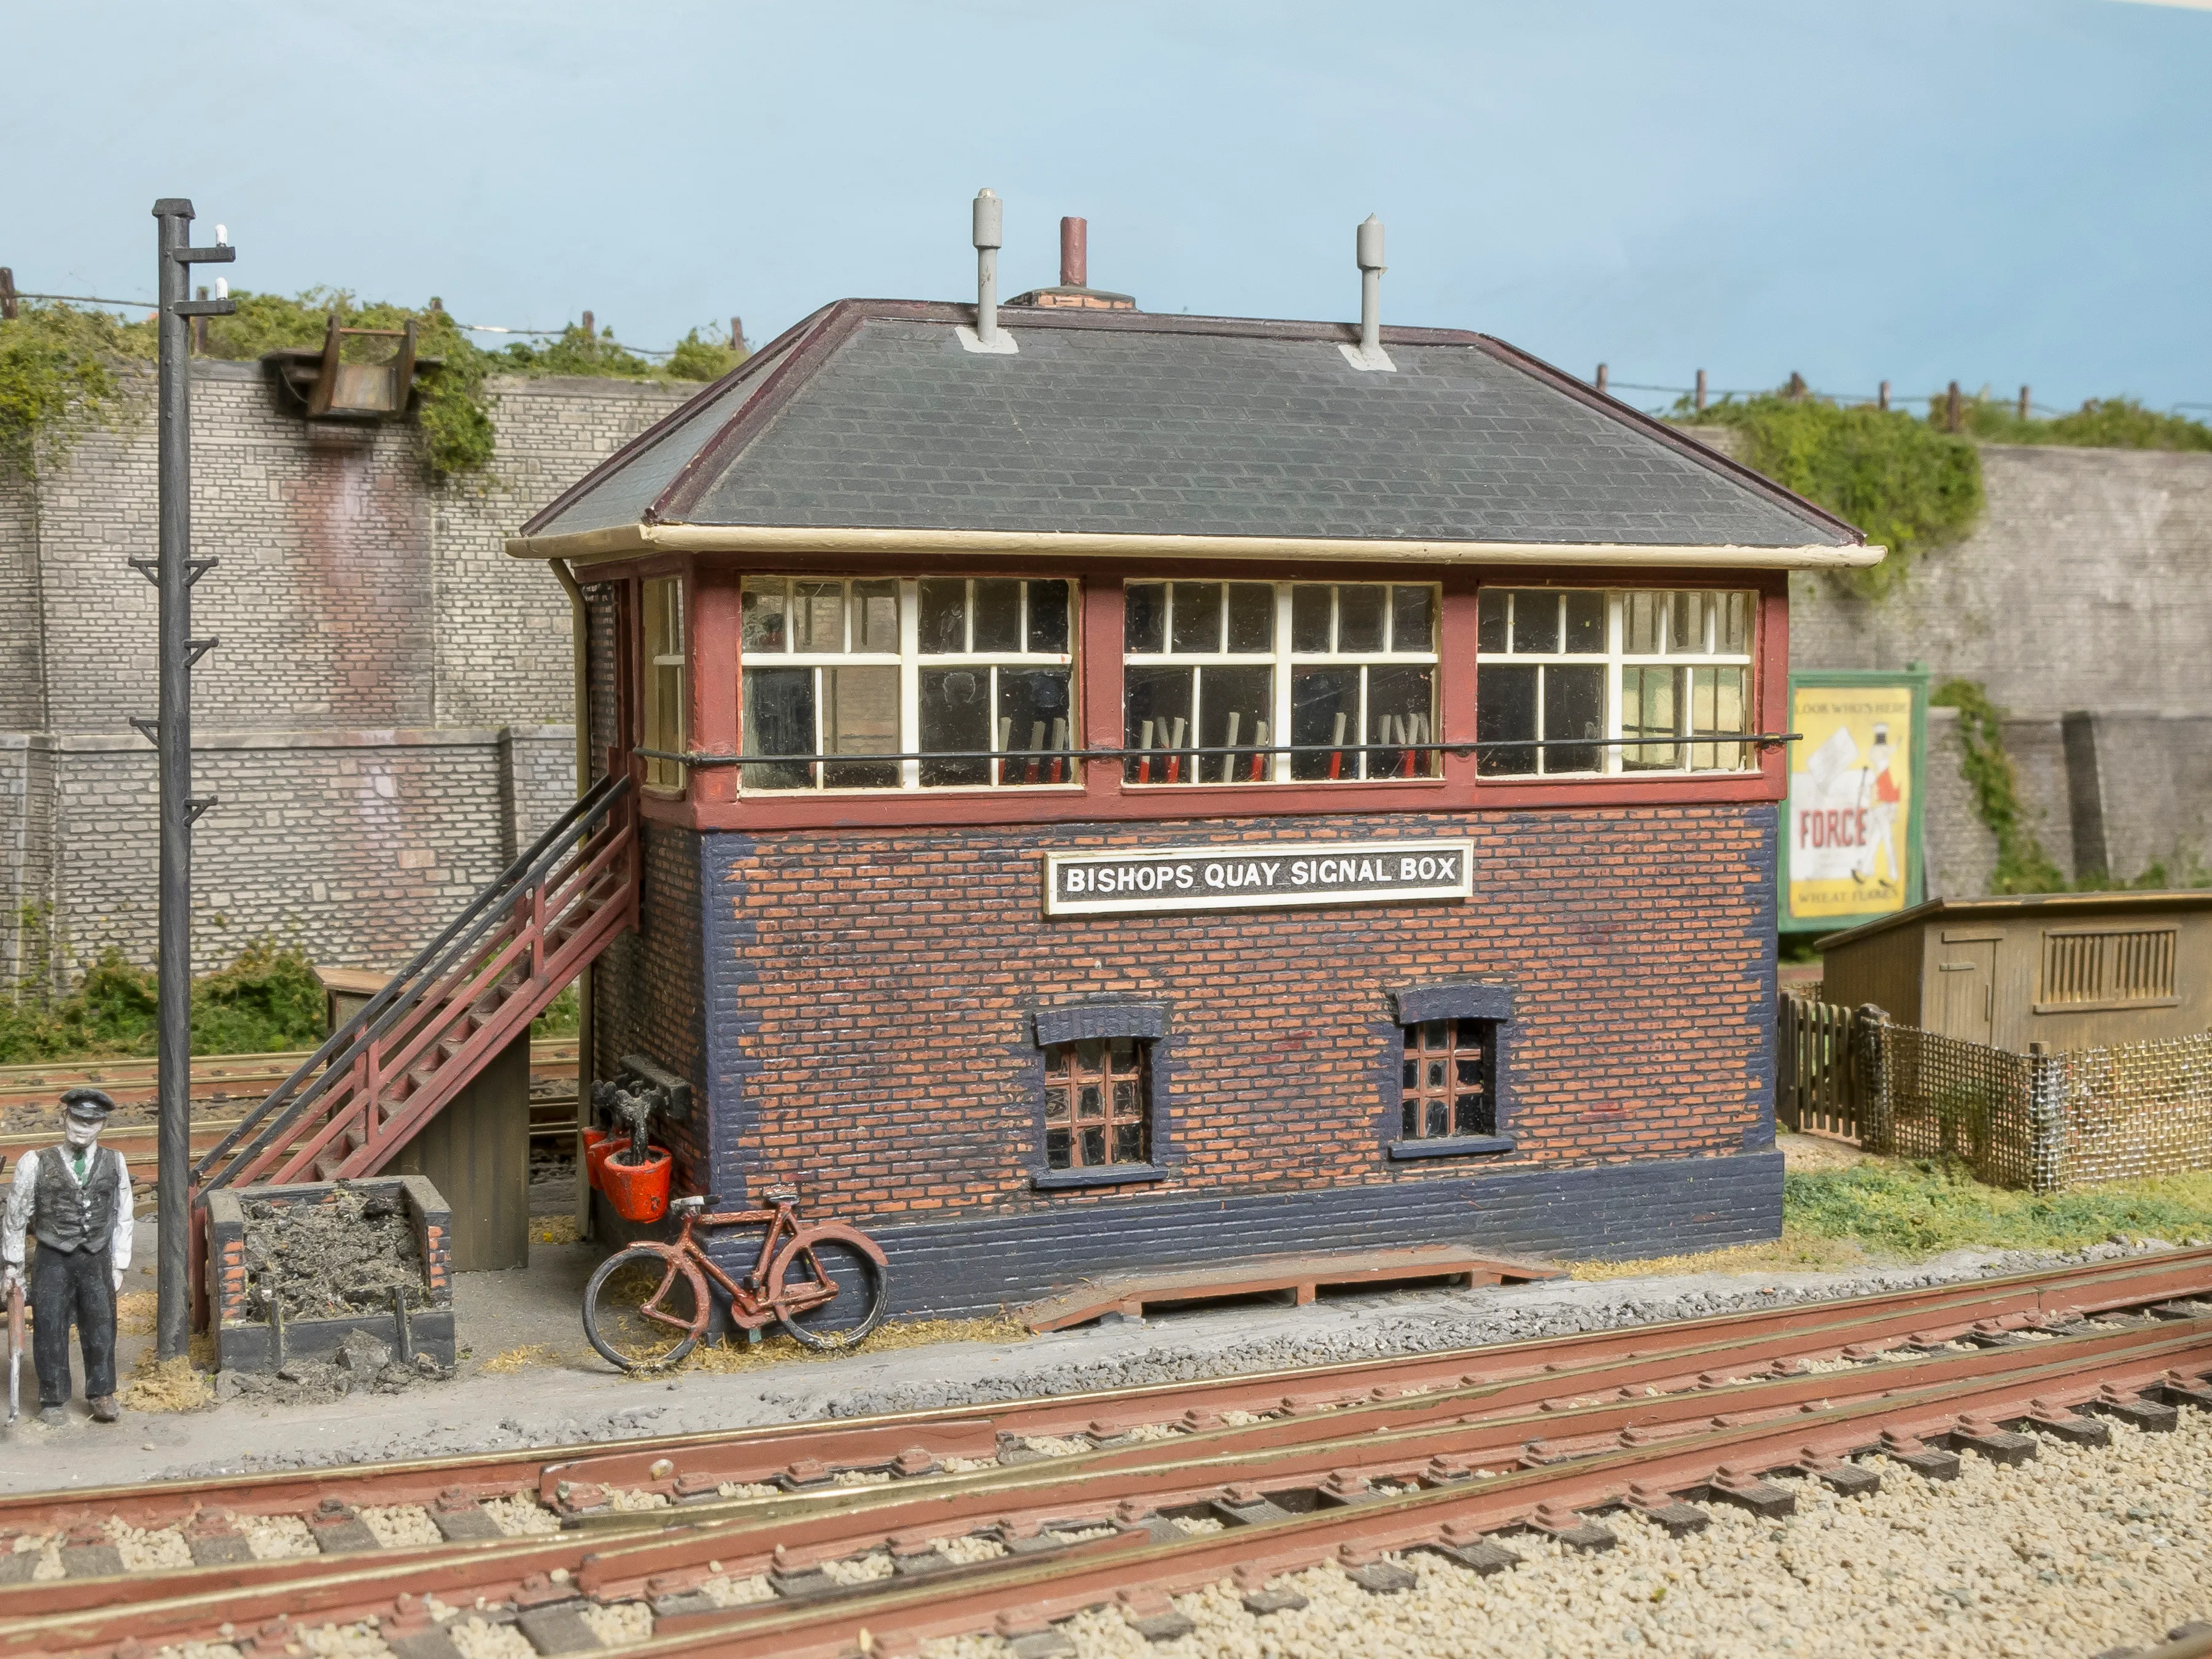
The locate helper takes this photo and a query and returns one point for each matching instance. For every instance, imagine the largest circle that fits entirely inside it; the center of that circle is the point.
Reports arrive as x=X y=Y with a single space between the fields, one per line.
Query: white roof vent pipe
x=990 y=236
x=1367 y=247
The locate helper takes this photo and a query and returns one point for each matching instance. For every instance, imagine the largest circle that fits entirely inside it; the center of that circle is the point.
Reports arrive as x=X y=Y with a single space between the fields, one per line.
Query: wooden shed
x=2069 y=970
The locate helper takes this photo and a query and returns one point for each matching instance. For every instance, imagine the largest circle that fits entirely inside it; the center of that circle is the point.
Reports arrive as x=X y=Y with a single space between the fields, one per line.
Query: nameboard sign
x=1262 y=875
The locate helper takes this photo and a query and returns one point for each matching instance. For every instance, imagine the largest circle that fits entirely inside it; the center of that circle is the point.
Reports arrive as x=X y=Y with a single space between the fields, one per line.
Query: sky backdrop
x=1998 y=192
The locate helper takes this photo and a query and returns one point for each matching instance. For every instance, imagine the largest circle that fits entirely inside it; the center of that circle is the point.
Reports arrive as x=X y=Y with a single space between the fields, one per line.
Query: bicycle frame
x=748 y=1310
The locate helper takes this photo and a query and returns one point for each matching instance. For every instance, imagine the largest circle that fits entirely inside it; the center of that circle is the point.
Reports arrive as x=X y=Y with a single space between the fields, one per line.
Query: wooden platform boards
x=1128 y=1295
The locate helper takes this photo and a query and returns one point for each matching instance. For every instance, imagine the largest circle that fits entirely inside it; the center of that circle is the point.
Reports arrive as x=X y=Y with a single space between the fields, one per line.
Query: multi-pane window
x=1098 y=1103
x=953 y=671
x=1450 y=1083
x=1581 y=680
x=664 y=723
x=1344 y=674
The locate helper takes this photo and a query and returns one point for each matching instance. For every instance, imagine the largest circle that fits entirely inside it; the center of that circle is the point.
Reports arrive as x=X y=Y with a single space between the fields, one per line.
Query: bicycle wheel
x=837 y=1281
x=644 y=1307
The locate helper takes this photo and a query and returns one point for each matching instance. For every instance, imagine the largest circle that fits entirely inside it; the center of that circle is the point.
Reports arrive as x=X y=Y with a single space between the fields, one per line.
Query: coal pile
x=333 y=1260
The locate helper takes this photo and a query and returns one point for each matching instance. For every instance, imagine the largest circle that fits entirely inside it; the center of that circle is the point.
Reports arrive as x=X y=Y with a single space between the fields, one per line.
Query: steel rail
x=793 y=1532
x=1745 y=1339
x=898 y=1618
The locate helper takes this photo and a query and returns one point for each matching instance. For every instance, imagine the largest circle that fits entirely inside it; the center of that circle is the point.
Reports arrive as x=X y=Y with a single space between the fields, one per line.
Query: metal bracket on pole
x=198 y=805
x=205 y=307
x=150 y=568
x=150 y=730
x=198 y=648
x=195 y=569
x=221 y=254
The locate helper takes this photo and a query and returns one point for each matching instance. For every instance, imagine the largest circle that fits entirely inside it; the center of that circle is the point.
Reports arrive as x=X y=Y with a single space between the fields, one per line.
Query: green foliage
x=57 y=366
x=267 y=1001
x=2023 y=864
x=1907 y=486
x=695 y=359
x=1922 y=1208
x=57 y=379
x=2100 y=423
x=563 y=1017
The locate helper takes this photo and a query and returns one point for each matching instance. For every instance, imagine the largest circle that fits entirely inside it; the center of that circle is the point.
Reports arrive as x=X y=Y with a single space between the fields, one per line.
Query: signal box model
x=1125 y=791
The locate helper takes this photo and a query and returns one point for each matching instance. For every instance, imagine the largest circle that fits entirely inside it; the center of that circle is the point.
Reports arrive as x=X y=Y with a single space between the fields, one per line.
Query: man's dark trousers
x=65 y=1283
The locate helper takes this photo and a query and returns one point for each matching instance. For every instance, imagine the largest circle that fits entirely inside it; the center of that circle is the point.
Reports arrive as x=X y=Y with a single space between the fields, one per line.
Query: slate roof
x=870 y=414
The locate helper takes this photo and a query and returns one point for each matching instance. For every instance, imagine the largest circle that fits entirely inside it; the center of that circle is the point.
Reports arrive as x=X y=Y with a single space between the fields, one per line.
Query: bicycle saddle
x=694 y=1202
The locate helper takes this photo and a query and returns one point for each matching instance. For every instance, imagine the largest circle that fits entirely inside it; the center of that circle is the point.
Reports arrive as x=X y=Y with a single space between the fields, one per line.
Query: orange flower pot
x=639 y=1192
x=598 y=1149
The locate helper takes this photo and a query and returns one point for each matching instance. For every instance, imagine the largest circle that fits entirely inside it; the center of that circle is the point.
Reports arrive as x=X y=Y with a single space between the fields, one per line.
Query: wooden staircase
x=392 y=1068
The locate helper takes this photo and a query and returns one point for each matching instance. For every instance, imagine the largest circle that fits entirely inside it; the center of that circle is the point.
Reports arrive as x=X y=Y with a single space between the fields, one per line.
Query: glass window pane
x=1574 y=707
x=955 y=715
x=1144 y=616
x=779 y=719
x=1413 y=619
x=1156 y=704
x=1536 y=622
x=1505 y=712
x=1089 y=1103
x=1401 y=709
x=1055 y=1105
x=763 y=609
x=1492 y=630
x=1716 y=702
x=1324 y=711
x=1057 y=1152
x=1735 y=624
x=1121 y=1053
x=1409 y=1119
x=1411 y=1073
x=1094 y=1147
x=1129 y=1142
x=942 y=602
x=1251 y=617
x=1682 y=633
x=1471 y=1115
x=1436 y=1124
x=1033 y=714
x=860 y=716
x=1048 y=617
x=875 y=617
x=1585 y=623
x=1197 y=615
x=1647 y=710
x=1360 y=608
x=1233 y=705
x=818 y=616
x=1310 y=616
x=998 y=615
x=1640 y=612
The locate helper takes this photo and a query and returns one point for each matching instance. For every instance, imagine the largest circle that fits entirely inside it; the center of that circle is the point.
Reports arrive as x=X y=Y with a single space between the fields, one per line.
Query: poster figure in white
x=1843 y=812
x=1878 y=801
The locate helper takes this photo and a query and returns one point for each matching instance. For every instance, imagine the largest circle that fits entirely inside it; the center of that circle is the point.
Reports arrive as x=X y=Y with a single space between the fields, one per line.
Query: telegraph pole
x=173 y=575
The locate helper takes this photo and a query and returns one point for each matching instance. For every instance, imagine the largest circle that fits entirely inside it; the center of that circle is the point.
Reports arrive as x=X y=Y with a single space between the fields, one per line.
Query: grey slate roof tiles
x=884 y=422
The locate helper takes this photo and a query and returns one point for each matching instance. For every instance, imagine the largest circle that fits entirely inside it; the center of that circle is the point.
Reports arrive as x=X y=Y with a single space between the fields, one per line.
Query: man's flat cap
x=86 y=1105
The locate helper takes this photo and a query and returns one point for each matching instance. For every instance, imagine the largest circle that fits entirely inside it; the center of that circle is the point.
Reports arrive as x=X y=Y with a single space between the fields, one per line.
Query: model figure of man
x=75 y=1199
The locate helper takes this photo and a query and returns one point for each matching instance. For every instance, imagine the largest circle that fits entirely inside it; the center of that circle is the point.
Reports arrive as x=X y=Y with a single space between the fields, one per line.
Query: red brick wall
x=877 y=1048
x=647 y=988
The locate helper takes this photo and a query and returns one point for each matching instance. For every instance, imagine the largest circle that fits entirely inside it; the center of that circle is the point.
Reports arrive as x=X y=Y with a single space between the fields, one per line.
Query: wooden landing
x=1129 y=1294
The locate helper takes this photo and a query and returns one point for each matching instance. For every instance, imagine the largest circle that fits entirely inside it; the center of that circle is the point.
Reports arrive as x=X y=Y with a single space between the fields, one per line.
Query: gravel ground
x=570 y=1403
x=2081 y=1550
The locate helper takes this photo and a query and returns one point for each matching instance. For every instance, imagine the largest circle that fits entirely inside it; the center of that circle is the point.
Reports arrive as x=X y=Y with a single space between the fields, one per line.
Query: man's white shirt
x=23 y=1197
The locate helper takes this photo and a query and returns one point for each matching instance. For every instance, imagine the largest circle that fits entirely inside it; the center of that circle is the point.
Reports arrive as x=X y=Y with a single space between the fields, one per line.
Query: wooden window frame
x=659 y=704
x=1065 y=1080
x=1616 y=661
x=1417 y=1055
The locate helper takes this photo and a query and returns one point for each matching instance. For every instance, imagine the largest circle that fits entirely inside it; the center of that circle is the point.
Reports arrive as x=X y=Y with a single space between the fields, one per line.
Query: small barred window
x=1098 y=1103
x=1450 y=1083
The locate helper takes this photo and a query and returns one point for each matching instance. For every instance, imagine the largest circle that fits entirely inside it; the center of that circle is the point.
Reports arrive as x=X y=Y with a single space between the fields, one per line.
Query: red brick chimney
x=1074 y=293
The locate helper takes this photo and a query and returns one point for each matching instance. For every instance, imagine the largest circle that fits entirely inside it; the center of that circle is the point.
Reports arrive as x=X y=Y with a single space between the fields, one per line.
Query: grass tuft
x=509 y=1360
x=167 y=1385
x=734 y=1354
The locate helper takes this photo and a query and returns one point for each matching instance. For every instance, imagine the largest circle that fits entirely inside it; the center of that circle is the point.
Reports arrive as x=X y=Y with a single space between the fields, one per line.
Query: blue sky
x=1995 y=191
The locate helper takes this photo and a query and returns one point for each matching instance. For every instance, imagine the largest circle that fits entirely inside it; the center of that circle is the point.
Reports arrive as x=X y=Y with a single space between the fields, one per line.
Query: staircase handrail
x=335 y=1056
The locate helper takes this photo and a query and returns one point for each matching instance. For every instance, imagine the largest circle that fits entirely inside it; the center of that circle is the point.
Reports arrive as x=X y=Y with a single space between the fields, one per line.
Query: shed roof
x=2045 y=907
x=872 y=416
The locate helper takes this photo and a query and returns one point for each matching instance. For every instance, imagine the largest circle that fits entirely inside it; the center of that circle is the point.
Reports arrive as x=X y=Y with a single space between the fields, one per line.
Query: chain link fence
x=2038 y=1121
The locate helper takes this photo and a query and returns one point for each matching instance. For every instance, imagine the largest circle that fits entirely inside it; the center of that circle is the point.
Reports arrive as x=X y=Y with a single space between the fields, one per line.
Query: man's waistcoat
x=69 y=1217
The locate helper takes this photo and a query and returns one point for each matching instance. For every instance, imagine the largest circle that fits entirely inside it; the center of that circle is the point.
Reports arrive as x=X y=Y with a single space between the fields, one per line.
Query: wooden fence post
x=1871 y=1049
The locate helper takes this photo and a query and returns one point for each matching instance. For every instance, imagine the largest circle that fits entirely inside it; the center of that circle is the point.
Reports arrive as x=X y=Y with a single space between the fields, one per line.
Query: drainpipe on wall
x=580 y=622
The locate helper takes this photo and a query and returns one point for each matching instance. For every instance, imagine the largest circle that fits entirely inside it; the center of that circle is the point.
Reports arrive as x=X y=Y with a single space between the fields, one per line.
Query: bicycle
x=648 y=1305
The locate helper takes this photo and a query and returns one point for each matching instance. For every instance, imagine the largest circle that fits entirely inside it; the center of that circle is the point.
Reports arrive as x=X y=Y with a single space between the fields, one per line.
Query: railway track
x=797 y=1539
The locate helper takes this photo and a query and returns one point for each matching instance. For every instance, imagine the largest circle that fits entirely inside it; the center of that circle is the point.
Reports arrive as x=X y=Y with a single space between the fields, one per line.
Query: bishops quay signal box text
x=1258 y=876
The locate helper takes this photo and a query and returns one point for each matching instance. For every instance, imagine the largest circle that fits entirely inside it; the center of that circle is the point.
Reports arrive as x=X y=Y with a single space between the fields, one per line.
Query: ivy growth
x=2100 y=423
x=2023 y=864
x=1908 y=485
x=58 y=366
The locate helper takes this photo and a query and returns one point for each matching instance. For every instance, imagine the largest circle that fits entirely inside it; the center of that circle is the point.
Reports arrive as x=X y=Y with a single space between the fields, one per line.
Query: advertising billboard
x=1851 y=832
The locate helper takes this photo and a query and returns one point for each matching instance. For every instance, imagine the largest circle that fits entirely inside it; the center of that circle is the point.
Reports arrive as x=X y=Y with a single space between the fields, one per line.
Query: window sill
x=1452 y=1146
x=1113 y=1174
